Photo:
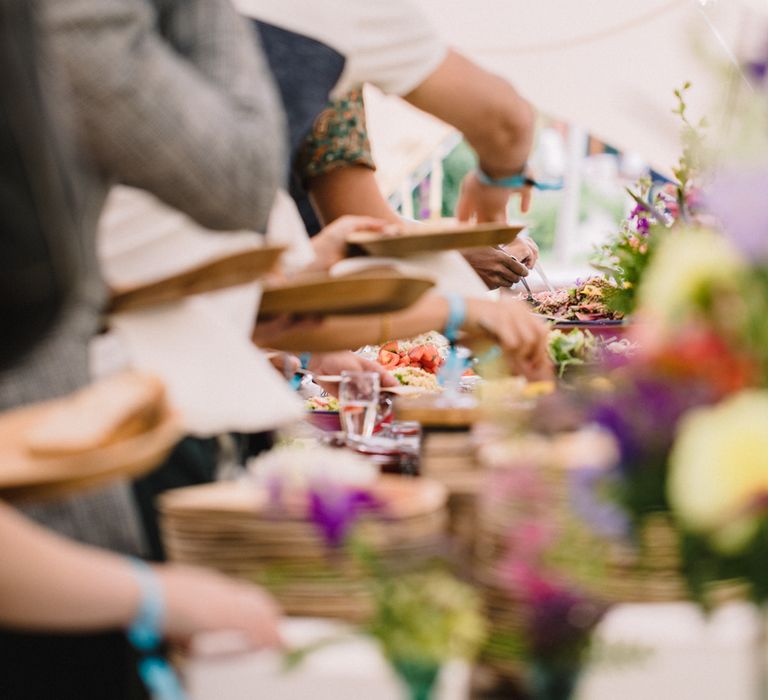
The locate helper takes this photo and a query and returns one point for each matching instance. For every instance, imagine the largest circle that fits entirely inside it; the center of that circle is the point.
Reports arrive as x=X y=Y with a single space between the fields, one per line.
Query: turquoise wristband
x=457 y=314
x=512 y=182
x=516 y=182
x=145 y=632
x=304 y=359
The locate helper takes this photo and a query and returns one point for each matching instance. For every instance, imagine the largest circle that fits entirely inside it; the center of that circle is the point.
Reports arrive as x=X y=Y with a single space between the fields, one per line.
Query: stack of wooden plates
x=449 y=457
x=234 y=528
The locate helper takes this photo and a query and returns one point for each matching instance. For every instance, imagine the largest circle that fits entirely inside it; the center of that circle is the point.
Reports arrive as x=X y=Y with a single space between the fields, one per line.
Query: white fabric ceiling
x=607 y=65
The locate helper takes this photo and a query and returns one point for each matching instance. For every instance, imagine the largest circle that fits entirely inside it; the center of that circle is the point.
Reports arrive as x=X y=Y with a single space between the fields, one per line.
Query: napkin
x=217 y=379
x=200 y=346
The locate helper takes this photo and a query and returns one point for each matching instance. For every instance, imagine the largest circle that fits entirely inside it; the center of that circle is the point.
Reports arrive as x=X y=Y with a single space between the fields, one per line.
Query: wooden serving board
x=433 y=238
x=364 y=293
x=230 y=271
x=24 y=477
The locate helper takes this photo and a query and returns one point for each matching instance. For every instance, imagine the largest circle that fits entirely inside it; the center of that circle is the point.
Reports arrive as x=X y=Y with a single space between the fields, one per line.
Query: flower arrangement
x=718 y=489
x=689 y=412
x=626 y=256
x=649 y=396
x=542 y=565
x=421 y=618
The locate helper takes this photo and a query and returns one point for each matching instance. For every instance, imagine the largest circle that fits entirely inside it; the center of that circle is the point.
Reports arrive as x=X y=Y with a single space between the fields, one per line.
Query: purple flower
x=757 y=70
x=736 y=197
x=587 y=487
x=639 y=209
x=643 y=416
x=643 y=226
x=560 y=619
x=335 y=509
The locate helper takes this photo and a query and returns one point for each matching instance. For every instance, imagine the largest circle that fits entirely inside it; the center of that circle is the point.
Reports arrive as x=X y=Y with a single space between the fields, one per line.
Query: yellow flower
x=719 y=466
x=687 y=264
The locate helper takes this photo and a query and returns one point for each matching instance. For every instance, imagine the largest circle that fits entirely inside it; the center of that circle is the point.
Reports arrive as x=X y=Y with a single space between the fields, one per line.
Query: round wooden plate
x=371 y=292
x=229 y=271
x=25 y=477
x=432 y=238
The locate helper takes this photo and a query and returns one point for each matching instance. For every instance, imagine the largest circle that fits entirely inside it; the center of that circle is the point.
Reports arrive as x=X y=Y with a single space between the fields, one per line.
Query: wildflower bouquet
x=421 y=616
x=627 y=255
x=538 y=566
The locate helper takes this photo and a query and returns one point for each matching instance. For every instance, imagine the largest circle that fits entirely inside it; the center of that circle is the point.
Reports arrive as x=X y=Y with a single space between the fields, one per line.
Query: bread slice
x=99 y=415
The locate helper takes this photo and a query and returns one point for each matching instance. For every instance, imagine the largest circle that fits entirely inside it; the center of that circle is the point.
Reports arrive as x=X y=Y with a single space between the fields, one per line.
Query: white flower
x=719 y=467
x=296 y=467
x=688 y=265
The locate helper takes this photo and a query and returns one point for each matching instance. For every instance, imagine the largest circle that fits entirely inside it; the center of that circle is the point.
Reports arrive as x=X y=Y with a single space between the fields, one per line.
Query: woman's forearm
x=497 y=121
x=352 y=189
x=50 y=583
x=349 y=332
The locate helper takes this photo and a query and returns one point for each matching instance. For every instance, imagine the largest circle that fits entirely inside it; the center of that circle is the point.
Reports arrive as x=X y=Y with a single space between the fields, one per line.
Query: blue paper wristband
x=145 y=634
x=516 y=182
x=457 y=314
x=512 y=182
x=304 y=358
x=145 y=631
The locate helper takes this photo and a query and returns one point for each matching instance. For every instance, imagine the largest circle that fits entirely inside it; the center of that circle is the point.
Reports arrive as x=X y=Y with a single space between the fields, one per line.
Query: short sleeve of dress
x=339 y=138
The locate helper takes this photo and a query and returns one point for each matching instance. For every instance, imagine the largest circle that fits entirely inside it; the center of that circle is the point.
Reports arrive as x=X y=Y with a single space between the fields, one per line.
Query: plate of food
x=427 y=238
x=323 y=412
x=414 y=363
x=580 y=307
x=373 y=292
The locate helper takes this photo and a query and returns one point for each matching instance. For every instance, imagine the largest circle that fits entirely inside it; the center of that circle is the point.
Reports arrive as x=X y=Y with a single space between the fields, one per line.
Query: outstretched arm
x=50 y=583
x=496 y=121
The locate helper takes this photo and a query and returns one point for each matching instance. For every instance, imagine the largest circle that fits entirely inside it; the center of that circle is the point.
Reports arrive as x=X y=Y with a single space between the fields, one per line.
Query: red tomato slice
x=416 y=353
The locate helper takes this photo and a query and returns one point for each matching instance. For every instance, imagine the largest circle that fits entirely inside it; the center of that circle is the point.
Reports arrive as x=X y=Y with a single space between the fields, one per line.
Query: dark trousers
x=68 y=667
x=192 y=462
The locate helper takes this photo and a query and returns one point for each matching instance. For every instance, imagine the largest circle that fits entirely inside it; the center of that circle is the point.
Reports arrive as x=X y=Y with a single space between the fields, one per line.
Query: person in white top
x=393 y=46
x=388 y=44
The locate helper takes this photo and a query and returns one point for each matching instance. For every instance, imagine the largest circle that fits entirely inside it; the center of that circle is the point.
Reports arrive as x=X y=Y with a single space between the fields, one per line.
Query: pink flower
x=531 y=539
x=673 y=208
x=694 y=199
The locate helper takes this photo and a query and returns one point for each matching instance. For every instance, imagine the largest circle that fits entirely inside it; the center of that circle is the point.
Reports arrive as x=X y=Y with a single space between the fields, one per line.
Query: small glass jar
x=407 y=436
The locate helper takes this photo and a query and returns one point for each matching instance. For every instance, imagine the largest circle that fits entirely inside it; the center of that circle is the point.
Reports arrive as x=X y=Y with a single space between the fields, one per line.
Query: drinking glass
x=358 y=403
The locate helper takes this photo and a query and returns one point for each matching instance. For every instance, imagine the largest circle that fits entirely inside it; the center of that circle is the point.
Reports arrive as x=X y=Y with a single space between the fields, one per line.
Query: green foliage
x=628 y=254
x=703 y=566
x=572 y=349
x=692 y=137
x=625 y=260
x=427 y=617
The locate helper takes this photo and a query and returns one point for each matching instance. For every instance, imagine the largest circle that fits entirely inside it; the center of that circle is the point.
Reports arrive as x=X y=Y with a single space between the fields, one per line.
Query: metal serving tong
x=544 y=277
x=529 y=296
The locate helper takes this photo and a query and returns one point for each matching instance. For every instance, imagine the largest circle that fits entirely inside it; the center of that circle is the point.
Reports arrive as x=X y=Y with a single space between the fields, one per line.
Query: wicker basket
x=226 y=527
